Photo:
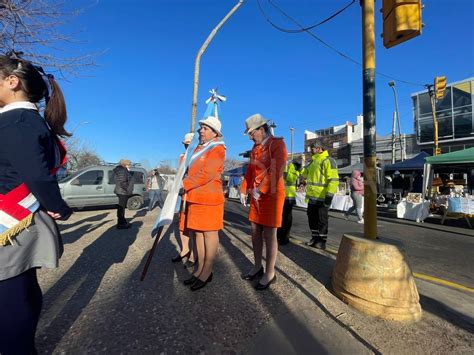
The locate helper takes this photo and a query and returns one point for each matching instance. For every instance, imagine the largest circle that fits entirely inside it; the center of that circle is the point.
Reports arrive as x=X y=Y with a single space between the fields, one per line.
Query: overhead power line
x=309 y=27
x=327 y=45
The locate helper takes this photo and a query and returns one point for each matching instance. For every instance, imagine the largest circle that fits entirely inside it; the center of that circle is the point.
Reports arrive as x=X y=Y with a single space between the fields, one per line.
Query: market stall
x=457 y=196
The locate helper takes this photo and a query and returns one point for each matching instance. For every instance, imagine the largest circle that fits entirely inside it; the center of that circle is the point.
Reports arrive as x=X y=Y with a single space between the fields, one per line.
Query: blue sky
x=138 y=98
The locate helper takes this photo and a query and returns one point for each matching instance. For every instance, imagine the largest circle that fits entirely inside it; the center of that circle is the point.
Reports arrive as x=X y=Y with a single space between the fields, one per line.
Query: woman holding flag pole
x=30 y=201
x=204 y=196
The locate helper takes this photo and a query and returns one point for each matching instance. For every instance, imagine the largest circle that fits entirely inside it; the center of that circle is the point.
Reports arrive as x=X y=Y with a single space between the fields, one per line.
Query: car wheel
x=134 y=202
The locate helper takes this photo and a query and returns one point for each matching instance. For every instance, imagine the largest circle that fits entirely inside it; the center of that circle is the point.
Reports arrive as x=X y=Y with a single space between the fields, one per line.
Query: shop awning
x=465 y=156
x=415 y=163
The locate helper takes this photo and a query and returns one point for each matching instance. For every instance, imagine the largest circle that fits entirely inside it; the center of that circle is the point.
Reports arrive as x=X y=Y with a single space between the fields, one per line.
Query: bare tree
x=164 y=168
x=32 y=27
x=231 y=163
x=80 y=155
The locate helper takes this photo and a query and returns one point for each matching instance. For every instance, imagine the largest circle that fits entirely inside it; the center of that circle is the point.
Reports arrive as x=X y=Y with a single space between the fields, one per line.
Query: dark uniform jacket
x=123 y=181
x=27 y=154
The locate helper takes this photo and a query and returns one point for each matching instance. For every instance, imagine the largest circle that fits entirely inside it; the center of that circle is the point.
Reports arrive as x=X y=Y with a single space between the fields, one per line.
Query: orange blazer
x=265 y=171
x=203 y=184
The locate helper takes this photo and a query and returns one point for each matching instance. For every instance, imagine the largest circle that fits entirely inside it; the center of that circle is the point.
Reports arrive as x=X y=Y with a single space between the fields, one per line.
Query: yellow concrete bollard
x=375 y=278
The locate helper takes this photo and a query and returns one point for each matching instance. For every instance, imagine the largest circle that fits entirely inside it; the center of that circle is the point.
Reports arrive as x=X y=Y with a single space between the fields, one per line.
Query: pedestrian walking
x=184 y=235
x=322 y=180
x=264 y=183
x=155 y=184
x=204 y=196
x=30 y=201
x=357 y=196
x=290 y=175
x=123 y=190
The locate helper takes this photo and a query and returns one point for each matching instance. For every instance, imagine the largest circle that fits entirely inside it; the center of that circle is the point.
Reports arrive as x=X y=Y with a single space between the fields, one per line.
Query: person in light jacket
x=357 y=193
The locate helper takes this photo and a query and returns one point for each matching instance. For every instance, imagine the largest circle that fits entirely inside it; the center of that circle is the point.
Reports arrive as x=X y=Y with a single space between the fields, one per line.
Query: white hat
x=188 y=137
x=396 y=172
x=214 y=123
x=254 y=122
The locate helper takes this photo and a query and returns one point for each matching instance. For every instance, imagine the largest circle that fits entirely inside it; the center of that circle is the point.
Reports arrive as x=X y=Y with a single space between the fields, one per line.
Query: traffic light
x=440 y=86
x=401 y=21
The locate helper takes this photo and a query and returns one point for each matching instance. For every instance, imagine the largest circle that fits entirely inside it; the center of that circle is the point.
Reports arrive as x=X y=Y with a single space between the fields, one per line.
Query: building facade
x=336 y=139
x=455 y=116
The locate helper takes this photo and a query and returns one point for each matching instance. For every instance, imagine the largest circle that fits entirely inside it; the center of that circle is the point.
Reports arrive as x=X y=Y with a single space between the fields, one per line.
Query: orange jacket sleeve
x=279 y=156
x=208 y=170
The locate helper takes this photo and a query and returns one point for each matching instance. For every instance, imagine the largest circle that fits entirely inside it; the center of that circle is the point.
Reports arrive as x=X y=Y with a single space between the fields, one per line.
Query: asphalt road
x=441 y=254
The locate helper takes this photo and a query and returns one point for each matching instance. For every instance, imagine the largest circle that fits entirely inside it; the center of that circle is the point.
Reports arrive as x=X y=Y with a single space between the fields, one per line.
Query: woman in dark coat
x=30 y=201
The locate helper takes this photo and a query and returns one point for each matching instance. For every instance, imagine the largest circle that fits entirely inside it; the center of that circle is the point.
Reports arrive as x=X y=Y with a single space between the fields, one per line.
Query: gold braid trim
x=7 y=236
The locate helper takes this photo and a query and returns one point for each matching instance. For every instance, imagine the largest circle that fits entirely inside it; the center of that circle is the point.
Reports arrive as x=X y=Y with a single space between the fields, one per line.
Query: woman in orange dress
x=264 y=183
x=204 y=196
x=186 y=251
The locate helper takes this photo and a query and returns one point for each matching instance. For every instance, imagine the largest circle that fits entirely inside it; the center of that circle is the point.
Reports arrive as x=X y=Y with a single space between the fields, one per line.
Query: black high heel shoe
x=250 y=277
x=190 y=281
x=178 y=257
x=261 y=287
x=200 y=284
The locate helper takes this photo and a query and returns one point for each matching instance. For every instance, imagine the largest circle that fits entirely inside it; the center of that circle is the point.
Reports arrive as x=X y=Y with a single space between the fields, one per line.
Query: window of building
x=463 y=126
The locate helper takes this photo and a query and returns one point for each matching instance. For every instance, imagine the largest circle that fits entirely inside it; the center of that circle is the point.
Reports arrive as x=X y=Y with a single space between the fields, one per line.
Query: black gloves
x=327 y=201
x=181 y=191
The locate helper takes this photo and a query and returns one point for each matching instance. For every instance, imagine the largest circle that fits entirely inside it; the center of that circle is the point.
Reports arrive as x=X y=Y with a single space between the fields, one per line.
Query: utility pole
x=394 y=134
x=197 y=62
x=392 y=85
x=370 y=152
x=292 y=130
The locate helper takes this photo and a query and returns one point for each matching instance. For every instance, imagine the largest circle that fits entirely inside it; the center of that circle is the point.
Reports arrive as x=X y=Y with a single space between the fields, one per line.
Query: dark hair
x=34 y=86
x=266 y=128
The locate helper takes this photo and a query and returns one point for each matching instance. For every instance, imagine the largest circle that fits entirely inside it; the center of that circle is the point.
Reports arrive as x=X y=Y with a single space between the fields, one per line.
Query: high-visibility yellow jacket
x=322 y=178
x=291 y=179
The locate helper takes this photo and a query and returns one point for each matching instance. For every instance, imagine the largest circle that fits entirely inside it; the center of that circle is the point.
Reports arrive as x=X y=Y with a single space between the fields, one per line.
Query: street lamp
x=397 y=118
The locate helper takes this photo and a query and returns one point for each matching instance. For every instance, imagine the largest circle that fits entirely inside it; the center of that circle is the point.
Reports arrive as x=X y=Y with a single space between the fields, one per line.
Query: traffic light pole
x=437 y=150
x=370 y=154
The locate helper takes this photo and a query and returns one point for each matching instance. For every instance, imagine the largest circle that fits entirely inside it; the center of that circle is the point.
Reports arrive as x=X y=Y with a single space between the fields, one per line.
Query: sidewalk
x=95 y=303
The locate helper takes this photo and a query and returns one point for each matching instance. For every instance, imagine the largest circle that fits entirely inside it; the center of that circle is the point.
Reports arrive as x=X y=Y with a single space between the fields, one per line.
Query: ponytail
x=55 y=112
x=38 y=85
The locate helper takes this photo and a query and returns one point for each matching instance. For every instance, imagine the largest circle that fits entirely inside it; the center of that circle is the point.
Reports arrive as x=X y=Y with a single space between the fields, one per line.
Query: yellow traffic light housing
x=401 y=21
x=440 y=87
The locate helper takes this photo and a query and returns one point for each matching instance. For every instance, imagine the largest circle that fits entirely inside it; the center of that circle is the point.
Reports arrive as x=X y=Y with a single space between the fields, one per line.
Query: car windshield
x=72 y=176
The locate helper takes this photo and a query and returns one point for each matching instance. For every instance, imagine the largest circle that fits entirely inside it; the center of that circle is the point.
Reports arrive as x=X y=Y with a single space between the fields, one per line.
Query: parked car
x=94 y=186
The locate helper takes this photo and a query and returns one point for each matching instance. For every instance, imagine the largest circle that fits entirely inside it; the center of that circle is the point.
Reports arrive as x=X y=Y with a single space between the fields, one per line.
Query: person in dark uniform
x=30 y=201
x=123 y=190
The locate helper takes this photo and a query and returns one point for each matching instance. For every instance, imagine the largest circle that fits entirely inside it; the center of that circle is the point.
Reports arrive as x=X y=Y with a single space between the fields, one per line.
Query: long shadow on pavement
x=322 y=260
x=94 y=218
x=75 y=235
x=168 y=317
x=65 y=301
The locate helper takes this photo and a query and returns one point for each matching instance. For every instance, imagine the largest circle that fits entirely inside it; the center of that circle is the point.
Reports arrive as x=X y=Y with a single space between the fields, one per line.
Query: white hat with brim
x=254 y=122
x=188 y=137
x=214 y=123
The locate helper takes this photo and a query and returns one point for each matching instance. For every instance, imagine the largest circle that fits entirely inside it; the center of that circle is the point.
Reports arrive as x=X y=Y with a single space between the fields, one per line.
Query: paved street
x=95 y=303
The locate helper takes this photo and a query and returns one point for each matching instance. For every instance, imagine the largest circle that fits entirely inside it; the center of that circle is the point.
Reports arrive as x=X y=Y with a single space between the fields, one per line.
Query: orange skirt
x=202 y=218
x=268 y=212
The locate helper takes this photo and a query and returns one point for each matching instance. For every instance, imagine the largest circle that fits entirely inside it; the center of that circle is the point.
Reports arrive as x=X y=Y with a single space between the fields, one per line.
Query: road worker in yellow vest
x=322 y=180
x=290 y=175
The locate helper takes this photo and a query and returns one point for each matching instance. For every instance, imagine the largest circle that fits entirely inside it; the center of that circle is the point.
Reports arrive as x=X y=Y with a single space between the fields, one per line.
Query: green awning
x=460 y=157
